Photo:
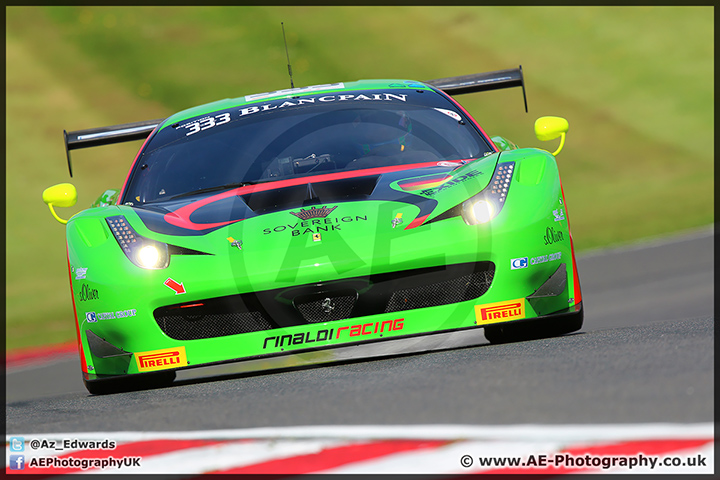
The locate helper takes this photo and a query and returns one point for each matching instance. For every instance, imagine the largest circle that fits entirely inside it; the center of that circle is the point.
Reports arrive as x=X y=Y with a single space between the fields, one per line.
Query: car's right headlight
x=142 y=251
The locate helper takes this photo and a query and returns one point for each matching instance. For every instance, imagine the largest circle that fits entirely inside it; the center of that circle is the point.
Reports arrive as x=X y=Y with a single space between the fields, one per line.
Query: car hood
x=434 y=188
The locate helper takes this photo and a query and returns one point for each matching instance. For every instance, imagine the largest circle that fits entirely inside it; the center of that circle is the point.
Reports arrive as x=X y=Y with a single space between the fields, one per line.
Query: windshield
x=303 y=136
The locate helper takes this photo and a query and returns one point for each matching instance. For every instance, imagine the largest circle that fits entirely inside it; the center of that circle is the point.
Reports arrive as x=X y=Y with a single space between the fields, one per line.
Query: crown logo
x=314 y=213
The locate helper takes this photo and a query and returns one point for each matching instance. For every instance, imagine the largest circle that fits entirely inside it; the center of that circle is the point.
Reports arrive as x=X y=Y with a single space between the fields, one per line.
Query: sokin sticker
x=161 y=359
x=87 y=293
x=551 y=236
x=500 y=311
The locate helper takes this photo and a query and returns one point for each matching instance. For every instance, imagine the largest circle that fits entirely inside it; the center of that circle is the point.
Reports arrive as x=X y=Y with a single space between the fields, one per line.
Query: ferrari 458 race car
x=296 y=222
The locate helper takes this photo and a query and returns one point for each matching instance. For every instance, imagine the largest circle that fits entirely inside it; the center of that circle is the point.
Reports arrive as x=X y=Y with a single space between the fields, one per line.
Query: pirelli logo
x=161 y=359
x=500 y=311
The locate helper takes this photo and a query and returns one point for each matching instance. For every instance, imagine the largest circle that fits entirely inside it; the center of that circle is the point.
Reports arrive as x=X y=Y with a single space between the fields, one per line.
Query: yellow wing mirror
x=550 y=128
x=61 y=195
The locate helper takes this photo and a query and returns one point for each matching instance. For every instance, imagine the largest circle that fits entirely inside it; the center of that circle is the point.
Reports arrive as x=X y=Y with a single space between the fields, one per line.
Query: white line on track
x=446 y=459
x=529 y=432
x=229 y=455
x=284 y=449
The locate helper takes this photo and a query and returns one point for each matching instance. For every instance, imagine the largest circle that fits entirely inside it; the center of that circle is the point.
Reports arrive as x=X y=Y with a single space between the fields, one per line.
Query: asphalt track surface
x=644 y=354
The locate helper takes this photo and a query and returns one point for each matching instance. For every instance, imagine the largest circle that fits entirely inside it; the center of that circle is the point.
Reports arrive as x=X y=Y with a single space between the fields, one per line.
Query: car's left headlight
x=486 y=205
x=142 y=251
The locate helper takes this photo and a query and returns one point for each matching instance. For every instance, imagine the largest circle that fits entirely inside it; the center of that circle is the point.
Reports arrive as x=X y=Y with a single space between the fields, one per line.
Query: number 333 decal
x=207 y=122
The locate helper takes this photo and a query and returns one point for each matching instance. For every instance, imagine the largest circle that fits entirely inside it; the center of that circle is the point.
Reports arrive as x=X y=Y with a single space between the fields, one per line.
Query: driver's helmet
x=382 y=132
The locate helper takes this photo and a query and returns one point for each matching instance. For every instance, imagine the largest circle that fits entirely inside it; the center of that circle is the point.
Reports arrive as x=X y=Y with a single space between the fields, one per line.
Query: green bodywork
x=114 y=299
x=366 y=244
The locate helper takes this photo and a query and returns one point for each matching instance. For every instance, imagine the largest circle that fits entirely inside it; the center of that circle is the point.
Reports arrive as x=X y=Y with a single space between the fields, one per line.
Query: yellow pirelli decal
x=500 y=311
x=161 y=359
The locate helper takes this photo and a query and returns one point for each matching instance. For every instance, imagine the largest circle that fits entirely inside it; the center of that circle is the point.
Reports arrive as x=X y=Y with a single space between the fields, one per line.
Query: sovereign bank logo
x=17 y=462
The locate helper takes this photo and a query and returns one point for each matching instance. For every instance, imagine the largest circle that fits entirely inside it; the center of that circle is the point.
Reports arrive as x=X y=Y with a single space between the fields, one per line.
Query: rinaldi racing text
x=322 y=335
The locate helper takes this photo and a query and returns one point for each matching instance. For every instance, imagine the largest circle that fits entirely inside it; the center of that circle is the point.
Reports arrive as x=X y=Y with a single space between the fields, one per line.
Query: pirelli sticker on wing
x=500 y=311
x=161 y=359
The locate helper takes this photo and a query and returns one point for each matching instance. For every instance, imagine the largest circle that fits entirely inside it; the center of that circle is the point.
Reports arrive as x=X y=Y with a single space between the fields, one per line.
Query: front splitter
x=415 y=344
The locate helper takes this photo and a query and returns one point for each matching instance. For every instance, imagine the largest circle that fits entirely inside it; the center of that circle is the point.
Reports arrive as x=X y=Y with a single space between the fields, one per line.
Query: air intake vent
x=326 y=306
x=346 y=189
x=461 y=289
x=326 y=301
x=193 y=327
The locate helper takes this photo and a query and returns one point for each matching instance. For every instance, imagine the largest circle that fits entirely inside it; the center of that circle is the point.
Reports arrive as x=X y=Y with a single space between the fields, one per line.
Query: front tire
x=535 y=329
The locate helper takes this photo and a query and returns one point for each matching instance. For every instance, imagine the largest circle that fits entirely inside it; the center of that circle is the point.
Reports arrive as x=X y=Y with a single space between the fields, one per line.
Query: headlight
x=479 y=211
x=149 y=256
x=141 y=251
x=486 y=205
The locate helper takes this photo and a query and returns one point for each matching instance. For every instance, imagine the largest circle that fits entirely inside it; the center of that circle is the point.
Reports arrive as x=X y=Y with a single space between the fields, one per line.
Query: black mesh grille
x=193 y=327
x=454 y=290
x=325 y=302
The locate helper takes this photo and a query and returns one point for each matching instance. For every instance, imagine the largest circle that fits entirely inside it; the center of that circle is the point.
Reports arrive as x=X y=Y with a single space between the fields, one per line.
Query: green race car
x=277 y=229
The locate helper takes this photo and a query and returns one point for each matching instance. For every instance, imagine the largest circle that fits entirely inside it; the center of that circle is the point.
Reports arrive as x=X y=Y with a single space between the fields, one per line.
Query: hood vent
x=346 y=189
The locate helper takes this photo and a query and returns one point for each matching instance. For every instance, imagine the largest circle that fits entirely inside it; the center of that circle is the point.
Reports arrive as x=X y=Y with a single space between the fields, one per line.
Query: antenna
x=287 y=55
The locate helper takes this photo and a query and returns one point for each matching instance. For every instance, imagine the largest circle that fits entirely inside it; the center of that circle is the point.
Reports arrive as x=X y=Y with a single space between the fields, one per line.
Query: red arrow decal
x=178 y=288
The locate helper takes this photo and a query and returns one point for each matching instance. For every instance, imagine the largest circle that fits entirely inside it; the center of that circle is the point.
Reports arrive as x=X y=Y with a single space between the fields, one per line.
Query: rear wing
x=107 y=135
x=481 y=82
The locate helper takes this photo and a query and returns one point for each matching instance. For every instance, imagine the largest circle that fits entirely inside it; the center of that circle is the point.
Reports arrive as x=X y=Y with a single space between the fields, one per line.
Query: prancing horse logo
x=327 y=305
